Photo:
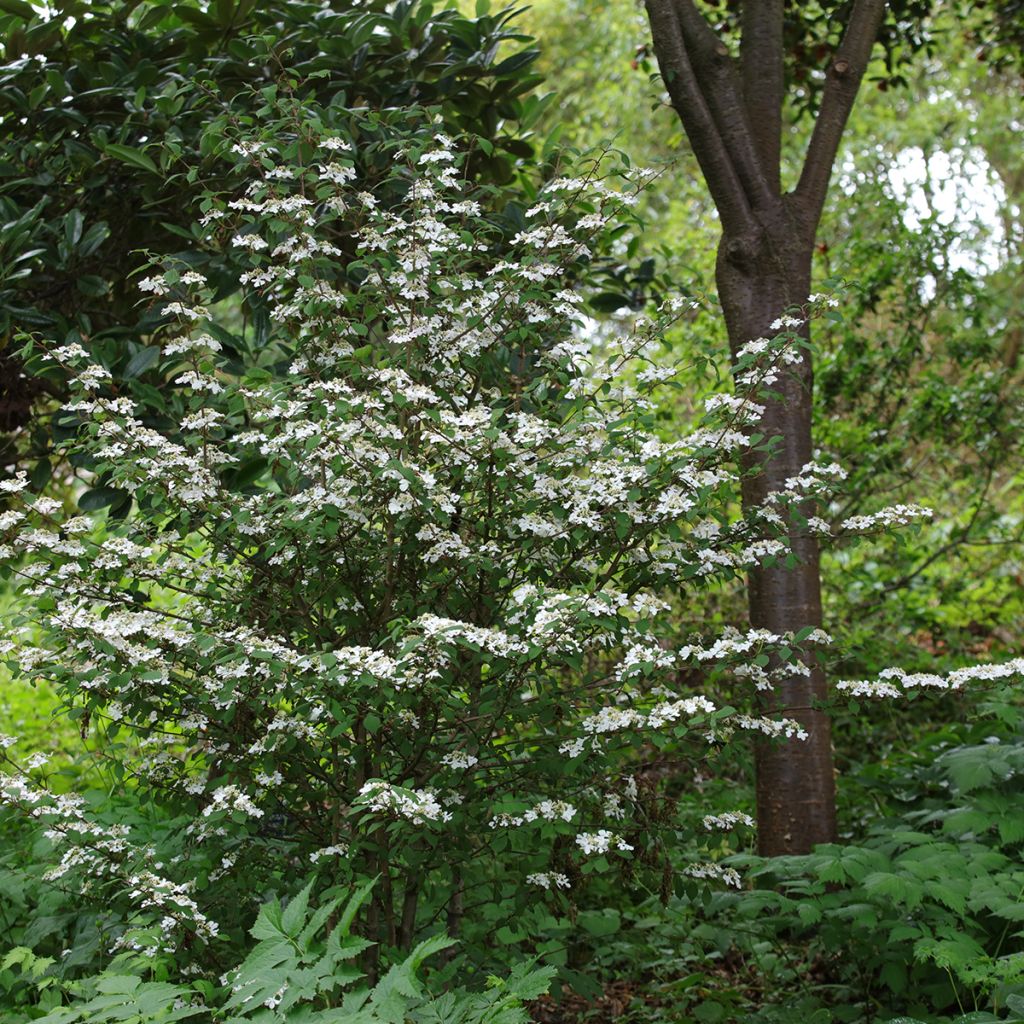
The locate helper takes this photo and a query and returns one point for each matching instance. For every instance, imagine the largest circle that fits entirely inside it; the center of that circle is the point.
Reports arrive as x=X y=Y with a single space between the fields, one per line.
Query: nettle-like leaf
x=125 y=999
x=295 y=962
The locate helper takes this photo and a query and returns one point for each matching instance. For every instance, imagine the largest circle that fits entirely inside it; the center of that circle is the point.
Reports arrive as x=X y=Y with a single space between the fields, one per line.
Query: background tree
x=731 y=75
x=732 y=112
x=913 y=395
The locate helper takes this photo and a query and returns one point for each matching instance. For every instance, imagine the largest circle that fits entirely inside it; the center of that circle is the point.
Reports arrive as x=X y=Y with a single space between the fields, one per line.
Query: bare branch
x=841 y=85
x=720 y=84
x=697 y=120
x=763 y=78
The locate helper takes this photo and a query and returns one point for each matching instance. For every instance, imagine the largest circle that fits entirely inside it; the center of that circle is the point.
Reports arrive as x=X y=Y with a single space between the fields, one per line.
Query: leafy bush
x=392 y=599
x=923 y=913
x=300 y=970
x=389 y=602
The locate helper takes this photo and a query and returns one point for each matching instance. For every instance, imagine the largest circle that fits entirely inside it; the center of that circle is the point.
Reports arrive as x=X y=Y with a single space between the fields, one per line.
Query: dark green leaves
x=134 y=157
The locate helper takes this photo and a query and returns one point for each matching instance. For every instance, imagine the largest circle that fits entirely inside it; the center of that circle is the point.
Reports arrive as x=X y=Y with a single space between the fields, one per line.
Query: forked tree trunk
x=759 y=277
x=731 y=111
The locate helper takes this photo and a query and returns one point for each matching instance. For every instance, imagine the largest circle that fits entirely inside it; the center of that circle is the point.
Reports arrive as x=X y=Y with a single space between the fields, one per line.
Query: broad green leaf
x=134 y=157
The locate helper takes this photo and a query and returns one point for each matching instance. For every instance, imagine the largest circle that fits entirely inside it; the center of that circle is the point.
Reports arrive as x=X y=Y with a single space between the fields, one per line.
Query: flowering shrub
x=399 y=610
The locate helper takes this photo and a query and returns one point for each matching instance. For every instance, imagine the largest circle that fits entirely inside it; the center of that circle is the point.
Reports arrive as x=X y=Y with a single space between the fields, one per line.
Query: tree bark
x=759 y=276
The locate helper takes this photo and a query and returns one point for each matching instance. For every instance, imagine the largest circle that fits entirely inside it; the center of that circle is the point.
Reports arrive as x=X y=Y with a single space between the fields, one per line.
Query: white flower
x=728 y=820
x=416 y=805
x=459 y=760
x=328 y=851
x=714 y=871
x=600 y=842
x=231 y=798
x=547 y=879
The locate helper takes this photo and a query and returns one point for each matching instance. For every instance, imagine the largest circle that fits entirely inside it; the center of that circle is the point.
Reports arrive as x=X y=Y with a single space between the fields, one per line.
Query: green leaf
x=245 y=473
x=143 y=360
x=609 y=302
x=526 y=982
x=268 y=922
x=946 y=895
x=134 y=157
x=516 y=62
x=600 y=922
x=710 y=1012
x=808 y=912
x=356 y=900
x=92 y=285
x=18 y=8
x=101 y=497
x=93 y=238
x=294 y=916
x=73 y=223
x=118 y=984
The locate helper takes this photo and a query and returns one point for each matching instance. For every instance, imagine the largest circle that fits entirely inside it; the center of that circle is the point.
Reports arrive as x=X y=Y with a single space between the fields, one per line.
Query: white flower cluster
x=611 y=719
x=416 y=805
x=715 y=872
x=100 y=853
x=773 y=728
x=886 y=518
x=546 y=810
x=865 y=688
x=231 y=798
x=600 y=842
x=336 y=850
x=728 y=820
x=548 y=880
x=890 y=680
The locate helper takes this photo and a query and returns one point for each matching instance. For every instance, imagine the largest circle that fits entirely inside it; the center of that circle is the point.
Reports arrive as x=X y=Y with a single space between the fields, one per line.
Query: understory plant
x=301 y=970
x=393 y=600
x=925 y=911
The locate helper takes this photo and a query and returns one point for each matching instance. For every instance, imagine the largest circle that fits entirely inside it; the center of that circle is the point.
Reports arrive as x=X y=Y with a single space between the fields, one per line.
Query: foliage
x=394 y=609
x=300 y=971
x=917 y=914
x=924 y=911
x=112 y=120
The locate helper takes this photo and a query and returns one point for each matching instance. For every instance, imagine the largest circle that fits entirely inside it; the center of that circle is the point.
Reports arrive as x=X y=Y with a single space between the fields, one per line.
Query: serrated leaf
x=946 y=895
x=268 y=922
x=294 y=916
x=809 y=913
x=316 y=922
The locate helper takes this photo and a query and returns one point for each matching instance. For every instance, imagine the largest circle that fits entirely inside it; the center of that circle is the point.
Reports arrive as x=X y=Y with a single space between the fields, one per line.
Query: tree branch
x=763 y=77
x=719 y=83
x=842 y=81
x=697 y=120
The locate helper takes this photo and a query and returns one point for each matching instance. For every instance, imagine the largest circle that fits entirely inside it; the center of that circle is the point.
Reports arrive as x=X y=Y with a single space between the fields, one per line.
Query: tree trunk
x=760 y=275
x=732 y=112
